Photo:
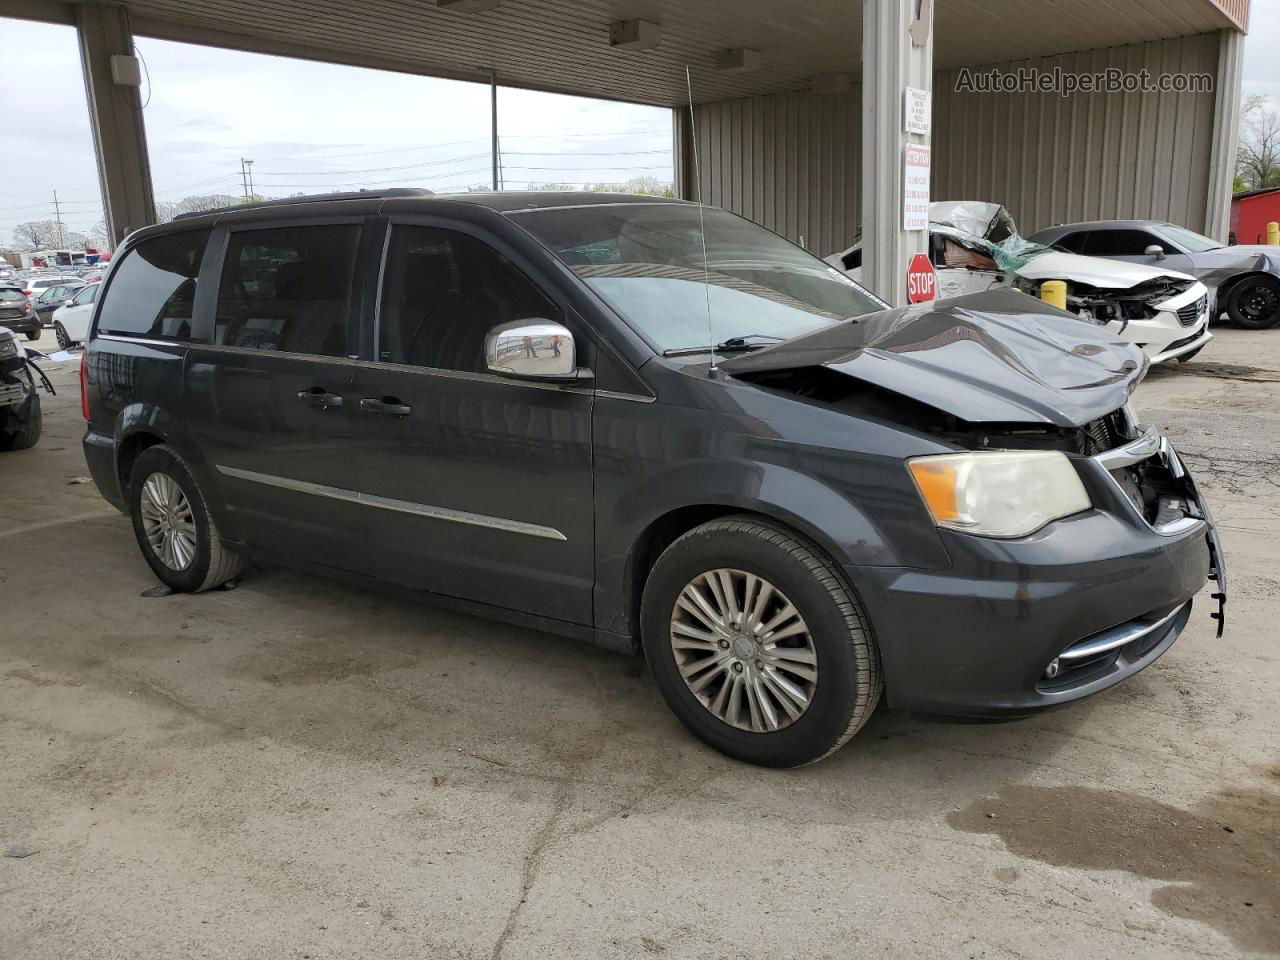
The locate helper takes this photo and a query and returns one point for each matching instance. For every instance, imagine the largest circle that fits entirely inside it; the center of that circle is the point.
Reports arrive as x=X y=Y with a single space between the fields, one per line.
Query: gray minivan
x=657 y=427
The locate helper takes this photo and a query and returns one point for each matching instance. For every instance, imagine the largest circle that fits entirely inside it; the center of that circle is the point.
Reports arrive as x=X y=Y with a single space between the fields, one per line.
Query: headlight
x=8 y=348
x=999 y=494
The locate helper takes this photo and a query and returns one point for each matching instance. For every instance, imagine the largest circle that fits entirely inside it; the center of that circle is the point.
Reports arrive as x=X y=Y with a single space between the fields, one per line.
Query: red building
x=1250 y=214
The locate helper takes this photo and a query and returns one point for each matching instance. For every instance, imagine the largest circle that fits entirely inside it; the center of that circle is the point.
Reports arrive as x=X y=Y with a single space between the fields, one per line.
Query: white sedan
x=71 y=321
x=975 y=246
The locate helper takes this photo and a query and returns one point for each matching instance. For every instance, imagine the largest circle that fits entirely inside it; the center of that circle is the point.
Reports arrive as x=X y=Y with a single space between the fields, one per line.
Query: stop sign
x=922 y=281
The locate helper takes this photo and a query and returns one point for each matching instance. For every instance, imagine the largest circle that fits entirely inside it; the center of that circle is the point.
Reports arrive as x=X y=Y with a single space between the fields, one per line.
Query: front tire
x=1254 y=304
x=758 y=644
x=173 y=526
x=64 y=341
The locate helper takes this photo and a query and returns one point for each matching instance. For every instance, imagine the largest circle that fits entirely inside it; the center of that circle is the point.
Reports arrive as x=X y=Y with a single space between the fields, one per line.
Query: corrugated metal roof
x=564 y=44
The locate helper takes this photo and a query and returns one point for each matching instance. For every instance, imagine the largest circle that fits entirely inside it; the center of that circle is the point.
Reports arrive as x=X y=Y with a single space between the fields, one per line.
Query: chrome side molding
x=399 y=506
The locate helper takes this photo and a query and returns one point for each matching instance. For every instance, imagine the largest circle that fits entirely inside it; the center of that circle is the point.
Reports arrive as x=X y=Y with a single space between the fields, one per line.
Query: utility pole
x=57 y=213
x=493 y=114
x=244 y=178
x=252 y=192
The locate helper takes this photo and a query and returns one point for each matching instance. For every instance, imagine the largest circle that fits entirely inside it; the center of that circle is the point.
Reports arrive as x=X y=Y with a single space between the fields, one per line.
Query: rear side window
x=445 y=291
x=1119 y=243
x=153 y=290
x=288 y=289
x=1074 y=242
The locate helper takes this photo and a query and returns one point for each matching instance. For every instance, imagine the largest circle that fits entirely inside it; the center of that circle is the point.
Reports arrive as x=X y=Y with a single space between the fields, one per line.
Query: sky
x=207 y=108
x=308 y=128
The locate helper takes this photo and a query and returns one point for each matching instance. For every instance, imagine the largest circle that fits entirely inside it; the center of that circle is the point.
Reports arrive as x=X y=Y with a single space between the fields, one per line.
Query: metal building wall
x=1052 y=159
x=789 y=161
x=792 y=161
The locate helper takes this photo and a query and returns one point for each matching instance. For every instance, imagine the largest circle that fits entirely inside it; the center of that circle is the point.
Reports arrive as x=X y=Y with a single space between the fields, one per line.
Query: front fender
x=875 y=523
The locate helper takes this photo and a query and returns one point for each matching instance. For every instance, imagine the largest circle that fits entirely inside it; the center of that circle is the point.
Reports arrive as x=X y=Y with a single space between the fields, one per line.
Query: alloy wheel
x=60 y=332
x=744 y=650
x=168 y=522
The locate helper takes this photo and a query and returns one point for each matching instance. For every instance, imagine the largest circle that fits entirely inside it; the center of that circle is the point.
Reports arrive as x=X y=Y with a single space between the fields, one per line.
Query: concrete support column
x=891 y=62
x=115 y=116
x=1226 y=135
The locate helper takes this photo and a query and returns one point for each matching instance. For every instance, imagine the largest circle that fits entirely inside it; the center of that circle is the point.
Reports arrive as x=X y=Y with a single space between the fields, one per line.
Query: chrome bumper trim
x=1120 y=636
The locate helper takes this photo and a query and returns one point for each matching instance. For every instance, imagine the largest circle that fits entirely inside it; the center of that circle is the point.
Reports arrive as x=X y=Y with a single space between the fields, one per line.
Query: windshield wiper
x=750 y=341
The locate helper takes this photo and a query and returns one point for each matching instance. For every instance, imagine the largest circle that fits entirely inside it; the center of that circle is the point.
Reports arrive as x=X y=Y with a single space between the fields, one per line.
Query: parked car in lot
x=20 y=381
x=71 y=321
x=18 y=313
x=51 y=299
x=34 y=285
x=1243 y=281
x=591 y=414
x=976 y=246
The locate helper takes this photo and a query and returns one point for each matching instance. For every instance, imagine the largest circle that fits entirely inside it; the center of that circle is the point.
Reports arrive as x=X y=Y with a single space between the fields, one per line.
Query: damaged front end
x=995 y=372
x=20 y=382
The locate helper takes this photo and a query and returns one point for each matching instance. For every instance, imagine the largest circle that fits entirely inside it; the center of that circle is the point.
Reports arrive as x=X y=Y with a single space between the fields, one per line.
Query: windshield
x=646 y=260
x=1188 y=240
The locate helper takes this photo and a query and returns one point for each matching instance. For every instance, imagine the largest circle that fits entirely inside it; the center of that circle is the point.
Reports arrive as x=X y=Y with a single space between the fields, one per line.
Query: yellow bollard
x=1273 y=234
x=1054 y=293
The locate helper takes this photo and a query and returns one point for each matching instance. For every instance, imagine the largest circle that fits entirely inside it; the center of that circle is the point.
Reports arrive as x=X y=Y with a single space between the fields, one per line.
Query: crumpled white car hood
x=1108 y=274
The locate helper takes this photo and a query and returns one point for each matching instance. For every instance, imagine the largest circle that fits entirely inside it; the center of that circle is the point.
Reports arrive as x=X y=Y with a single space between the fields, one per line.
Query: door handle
x=386 y=405
x=319 y=397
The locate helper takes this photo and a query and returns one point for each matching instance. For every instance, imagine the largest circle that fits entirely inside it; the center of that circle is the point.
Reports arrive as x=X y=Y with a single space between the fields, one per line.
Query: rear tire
x=33 y=334
x=174 y=529
x=24 y=427
x=825 y=652
x=1254 y=304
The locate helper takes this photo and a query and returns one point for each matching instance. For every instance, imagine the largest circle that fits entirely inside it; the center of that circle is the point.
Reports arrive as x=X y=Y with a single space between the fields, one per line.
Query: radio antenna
x=702 y=220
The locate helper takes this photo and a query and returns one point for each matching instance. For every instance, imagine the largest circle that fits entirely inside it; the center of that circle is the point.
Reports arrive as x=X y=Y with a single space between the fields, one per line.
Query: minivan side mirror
x=533 y=349
x=1155 y=250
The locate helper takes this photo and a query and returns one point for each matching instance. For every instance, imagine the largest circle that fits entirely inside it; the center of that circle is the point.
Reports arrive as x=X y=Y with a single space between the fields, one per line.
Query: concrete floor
x=299 y=769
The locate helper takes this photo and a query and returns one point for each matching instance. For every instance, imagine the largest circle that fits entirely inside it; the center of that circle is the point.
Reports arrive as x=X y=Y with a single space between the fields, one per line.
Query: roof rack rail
x=388 y=194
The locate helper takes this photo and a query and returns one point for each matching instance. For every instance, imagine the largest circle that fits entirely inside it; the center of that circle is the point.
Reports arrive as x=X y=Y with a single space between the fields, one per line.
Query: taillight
x=84 y=384
x=26 y=306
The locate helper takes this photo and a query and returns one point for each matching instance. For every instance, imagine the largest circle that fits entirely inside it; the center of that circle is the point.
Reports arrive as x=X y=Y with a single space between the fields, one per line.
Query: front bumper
x=1104 y=593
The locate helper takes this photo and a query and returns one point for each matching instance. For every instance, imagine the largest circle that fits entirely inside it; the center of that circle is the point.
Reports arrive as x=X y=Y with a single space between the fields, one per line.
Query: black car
x=654 y=426
x=48 y=300
x=17 y=312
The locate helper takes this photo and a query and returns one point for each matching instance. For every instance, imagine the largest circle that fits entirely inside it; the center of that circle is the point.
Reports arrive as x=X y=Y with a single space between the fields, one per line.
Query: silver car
x=1243 y=280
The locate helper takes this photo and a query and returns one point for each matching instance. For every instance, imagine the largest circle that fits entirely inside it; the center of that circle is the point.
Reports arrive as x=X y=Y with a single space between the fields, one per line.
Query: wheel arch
x=1230 y=283
x=665 y=528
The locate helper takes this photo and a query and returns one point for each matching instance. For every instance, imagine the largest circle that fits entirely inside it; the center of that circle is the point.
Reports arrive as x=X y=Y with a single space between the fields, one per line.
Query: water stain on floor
x=1221 y=858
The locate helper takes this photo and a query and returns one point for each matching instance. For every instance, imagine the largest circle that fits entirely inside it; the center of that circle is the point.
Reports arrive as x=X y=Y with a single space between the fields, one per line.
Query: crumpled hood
x=1095 y=271
x=994 y=357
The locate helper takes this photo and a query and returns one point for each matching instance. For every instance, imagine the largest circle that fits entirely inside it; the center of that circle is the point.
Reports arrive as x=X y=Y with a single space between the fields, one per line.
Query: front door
x=476 y=486
x=270 y=398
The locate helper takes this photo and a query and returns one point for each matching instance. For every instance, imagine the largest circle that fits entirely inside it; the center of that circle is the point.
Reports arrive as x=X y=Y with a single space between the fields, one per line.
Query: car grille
x=1190 y=314
x=12 y=393
x=1185 y=341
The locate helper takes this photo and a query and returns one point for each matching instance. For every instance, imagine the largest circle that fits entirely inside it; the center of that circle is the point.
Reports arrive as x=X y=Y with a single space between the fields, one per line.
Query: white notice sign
x=915 y=188
x=918 y=110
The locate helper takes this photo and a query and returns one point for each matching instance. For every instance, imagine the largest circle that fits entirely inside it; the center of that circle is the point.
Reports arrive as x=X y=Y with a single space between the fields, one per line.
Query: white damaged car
x=976 y=246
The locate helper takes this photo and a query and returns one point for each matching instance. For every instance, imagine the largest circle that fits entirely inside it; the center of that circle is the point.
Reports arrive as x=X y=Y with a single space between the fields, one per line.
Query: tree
x=36 y=235
x=166 y=210
x=97 y=237
x=1258 y=157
